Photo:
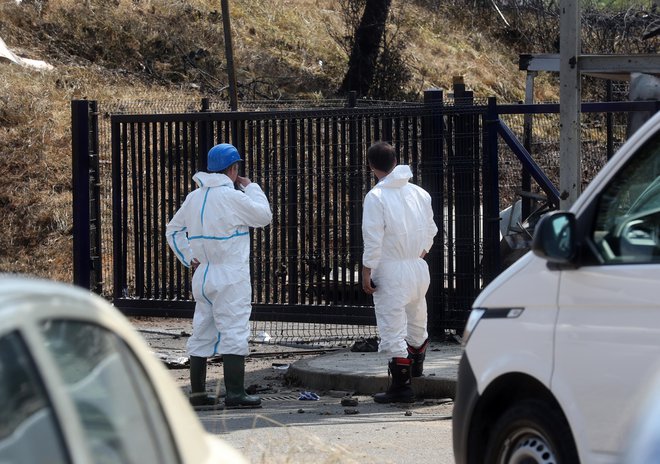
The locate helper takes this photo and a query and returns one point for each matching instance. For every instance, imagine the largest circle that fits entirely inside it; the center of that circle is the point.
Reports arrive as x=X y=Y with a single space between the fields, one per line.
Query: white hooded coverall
x=397 y=227
x=212 y=225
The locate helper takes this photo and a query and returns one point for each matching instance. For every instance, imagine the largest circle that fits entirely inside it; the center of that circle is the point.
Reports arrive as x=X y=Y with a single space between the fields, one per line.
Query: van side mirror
x=554 y=238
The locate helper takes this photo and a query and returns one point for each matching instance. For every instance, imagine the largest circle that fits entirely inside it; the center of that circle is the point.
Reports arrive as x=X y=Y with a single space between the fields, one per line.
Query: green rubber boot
x=198 y=396
x=234 y=369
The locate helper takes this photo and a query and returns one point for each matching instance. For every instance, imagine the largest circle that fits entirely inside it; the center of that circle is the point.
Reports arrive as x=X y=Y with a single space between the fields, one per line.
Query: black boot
x=418 y=355
x=198 y=395
x=234 y=369
x=400 y=390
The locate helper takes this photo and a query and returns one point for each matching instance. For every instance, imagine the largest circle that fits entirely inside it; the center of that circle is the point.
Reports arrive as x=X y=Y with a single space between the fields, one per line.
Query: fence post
x=203 y=138
x=433 y=180
x=86 y=211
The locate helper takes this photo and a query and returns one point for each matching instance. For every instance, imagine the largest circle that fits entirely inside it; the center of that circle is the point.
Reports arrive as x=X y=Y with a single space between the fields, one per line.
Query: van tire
x=531 y=431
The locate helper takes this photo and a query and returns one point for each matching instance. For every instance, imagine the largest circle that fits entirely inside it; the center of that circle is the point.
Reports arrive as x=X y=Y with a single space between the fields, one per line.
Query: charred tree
x=366 y=46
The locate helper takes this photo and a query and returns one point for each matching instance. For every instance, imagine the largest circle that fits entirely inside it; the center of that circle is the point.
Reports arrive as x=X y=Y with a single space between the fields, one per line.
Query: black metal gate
x=312 y=165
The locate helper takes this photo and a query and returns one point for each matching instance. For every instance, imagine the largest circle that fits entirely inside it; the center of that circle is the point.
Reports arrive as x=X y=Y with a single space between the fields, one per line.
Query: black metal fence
x=311 y=164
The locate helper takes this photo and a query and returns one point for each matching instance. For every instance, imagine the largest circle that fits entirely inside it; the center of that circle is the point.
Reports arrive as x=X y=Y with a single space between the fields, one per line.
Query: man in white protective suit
x=398 y=231
x=210 y=234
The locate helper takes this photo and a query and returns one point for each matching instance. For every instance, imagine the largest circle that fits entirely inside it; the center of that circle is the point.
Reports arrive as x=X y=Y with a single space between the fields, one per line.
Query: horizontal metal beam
x=543 y=62
x=605 y=65
x=585 y=107
x=313 y=314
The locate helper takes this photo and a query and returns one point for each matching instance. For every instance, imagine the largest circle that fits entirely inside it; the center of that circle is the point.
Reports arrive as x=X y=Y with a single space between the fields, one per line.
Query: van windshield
x=627 y=225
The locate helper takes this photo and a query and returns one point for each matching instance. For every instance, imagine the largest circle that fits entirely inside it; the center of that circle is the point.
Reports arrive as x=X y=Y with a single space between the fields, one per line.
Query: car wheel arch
x=500 y=395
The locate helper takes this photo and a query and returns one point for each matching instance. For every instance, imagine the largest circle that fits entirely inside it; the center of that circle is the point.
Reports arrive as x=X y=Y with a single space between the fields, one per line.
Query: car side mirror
x=554 y=238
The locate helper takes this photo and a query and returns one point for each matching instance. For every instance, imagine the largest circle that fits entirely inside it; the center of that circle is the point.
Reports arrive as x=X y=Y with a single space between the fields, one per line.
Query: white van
x=559 y=346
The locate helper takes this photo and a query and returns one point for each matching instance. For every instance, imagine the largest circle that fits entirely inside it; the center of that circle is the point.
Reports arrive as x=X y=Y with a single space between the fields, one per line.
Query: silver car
x=79 y=385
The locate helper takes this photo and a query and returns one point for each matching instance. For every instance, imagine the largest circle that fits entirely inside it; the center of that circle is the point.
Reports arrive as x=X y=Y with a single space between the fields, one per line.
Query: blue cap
x=221 y=157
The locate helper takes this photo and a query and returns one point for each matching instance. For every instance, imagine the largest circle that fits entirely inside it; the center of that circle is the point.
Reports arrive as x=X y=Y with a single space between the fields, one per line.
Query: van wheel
x=531 y=432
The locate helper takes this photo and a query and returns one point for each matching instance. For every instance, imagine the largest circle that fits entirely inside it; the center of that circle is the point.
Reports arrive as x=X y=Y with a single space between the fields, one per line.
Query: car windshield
x=627 y=223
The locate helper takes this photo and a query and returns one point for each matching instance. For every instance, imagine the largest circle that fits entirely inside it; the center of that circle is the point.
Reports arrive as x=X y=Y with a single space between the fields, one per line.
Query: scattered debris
x=254 y=388
x=280 y=366
x=7 y=54
x=262 y=337
x=349 y=401
x=351 y=411
x=173 y=362
x=308 y=396
x=365 y=345
x=301 y=411
x=408 y=413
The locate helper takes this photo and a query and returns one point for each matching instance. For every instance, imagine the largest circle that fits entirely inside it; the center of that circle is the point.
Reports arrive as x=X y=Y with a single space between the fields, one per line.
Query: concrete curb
x=366 y=373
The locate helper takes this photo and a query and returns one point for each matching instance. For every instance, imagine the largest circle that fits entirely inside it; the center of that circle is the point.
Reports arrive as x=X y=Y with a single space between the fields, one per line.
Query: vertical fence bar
x=126 y=210
x=175 y=131
x=343 y=227
x=269 y=231
x=151 y=229
x=251 y=156
x=187 y=162
x=292 y=211
x=310 y=157
x=327 y=213
x=117 y=212
x=303 y=206
x=336 y=198
x=96 y=242
x=283 y=226
x=139 y=216
x=355 y=198
x=171 y=199
x=319 y=218
x=159 y=223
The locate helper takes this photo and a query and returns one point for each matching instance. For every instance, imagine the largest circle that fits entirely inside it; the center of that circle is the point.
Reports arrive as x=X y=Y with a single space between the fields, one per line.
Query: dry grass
x=166 y=49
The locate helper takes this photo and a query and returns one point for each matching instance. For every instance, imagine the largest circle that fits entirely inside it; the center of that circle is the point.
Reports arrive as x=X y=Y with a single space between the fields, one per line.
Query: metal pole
x=609 y=123
x=229 y=52
x=569 y=97
x=526 y=183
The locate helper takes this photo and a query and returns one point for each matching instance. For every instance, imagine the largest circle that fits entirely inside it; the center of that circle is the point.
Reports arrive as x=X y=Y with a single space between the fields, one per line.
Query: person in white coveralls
x=398 y=231
x=210 y=234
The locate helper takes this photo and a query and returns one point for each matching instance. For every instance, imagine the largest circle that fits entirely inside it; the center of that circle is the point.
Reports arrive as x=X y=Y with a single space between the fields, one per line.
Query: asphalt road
x=288 y=430
x=292 y=431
